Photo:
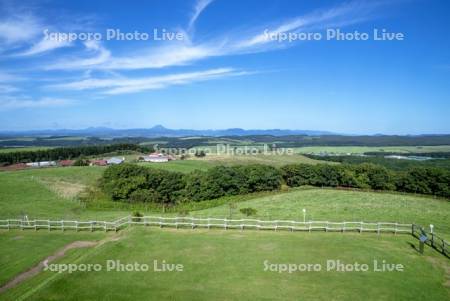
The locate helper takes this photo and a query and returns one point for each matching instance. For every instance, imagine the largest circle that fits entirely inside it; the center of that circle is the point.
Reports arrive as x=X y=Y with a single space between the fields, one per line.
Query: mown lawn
x=21 y=250
x=229 y=265
x=339 y=205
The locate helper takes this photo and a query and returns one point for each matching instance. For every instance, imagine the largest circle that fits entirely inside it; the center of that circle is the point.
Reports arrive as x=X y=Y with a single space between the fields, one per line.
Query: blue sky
x=225 y=72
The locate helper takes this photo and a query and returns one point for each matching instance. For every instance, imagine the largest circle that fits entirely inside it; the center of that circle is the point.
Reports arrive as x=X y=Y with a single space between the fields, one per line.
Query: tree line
x=138 y=184
x=63 y=153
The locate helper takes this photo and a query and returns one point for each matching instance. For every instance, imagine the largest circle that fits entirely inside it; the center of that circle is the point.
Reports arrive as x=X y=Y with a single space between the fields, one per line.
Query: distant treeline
x=280 y=141
x=136 y=184
x=337 y=140
x=64 y=141
x=62 y=153
x=423 y=154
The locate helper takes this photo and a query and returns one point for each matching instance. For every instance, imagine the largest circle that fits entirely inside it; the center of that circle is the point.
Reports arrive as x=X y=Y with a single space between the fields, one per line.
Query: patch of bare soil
x=64 y=189
x=58 y=254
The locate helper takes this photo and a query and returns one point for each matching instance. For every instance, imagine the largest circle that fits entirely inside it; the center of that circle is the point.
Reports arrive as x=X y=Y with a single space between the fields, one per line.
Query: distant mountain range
x=160 y=131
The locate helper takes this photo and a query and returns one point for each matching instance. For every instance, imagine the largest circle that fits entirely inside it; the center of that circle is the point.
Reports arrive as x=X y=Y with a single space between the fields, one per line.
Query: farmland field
x=363 y=149
x=221 y=264
x=230 y=265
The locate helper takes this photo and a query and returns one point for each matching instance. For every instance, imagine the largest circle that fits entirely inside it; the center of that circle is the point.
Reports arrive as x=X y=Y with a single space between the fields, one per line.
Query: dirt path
x=58 y=254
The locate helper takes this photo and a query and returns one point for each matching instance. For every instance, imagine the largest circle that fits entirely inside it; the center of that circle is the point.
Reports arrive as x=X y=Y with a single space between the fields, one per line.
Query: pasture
x=363 y=149
x=220 y=264
x=231 y=265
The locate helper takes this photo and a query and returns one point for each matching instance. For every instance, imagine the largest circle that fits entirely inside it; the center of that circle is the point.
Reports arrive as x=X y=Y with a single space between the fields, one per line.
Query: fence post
x=62 y=225
x=92 y=229
x=76 y=226
x=343 y=227
x=378 y=228
x=395 y=230
x=104 y=224
x=360 y=227
x=8 y=225
x=326 y=229
x=209 y=226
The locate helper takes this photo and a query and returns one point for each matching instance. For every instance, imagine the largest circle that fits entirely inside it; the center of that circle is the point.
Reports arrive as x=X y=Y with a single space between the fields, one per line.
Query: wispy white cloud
x=251 y=41
x=43 y=46
x=9 y=77
x=199 y=7
x=121 y=85
x=18 y=28
x=5 y=89
x=10 y=102
x=342 y=15
x=98 y=55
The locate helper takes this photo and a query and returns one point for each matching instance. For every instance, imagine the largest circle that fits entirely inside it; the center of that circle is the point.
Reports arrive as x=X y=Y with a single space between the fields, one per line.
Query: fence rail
x=433 y=240
x=192 y=222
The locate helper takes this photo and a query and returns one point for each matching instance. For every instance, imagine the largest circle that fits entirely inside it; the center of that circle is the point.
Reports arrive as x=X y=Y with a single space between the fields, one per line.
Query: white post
x=378 y=228
x=8 y=226
x=431 y=228
x=76 y=226
x=304 y=215
x=62 y=225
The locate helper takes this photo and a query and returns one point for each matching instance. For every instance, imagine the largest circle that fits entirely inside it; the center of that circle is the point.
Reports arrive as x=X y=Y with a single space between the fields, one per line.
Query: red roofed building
x=66 y=162
x=98 y=162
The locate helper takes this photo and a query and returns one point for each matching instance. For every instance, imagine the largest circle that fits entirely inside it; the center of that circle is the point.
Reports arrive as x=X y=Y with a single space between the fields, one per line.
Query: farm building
x=157 y=158
x=41 y=164
x=98 y=163
x=115 y=160
x=66 y=162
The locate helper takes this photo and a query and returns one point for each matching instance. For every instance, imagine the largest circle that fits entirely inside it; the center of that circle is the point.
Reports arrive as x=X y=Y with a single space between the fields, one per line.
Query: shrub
x=81 y=162
x=248 y=211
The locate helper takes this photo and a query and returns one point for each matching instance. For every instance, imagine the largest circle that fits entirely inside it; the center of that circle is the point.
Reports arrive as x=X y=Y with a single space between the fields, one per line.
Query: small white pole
x=431 y=228
x=304 y=215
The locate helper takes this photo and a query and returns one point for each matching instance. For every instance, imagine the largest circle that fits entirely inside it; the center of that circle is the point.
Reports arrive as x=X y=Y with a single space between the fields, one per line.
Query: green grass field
x=363 y=149
x=229 y=265
x=183 y=166
x=22 y=149
x=274 y=160
x=222 y=265
x=16 y=245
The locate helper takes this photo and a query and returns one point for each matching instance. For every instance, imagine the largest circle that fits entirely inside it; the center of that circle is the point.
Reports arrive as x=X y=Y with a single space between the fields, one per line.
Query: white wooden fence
x=208 y=223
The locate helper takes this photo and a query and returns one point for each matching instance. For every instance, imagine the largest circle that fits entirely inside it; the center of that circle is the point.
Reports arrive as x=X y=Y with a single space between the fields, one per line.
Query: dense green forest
x=133 y=183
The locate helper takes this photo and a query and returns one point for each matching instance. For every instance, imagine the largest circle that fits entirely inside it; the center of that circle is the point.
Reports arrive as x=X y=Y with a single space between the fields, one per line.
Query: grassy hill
x=221 y=264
